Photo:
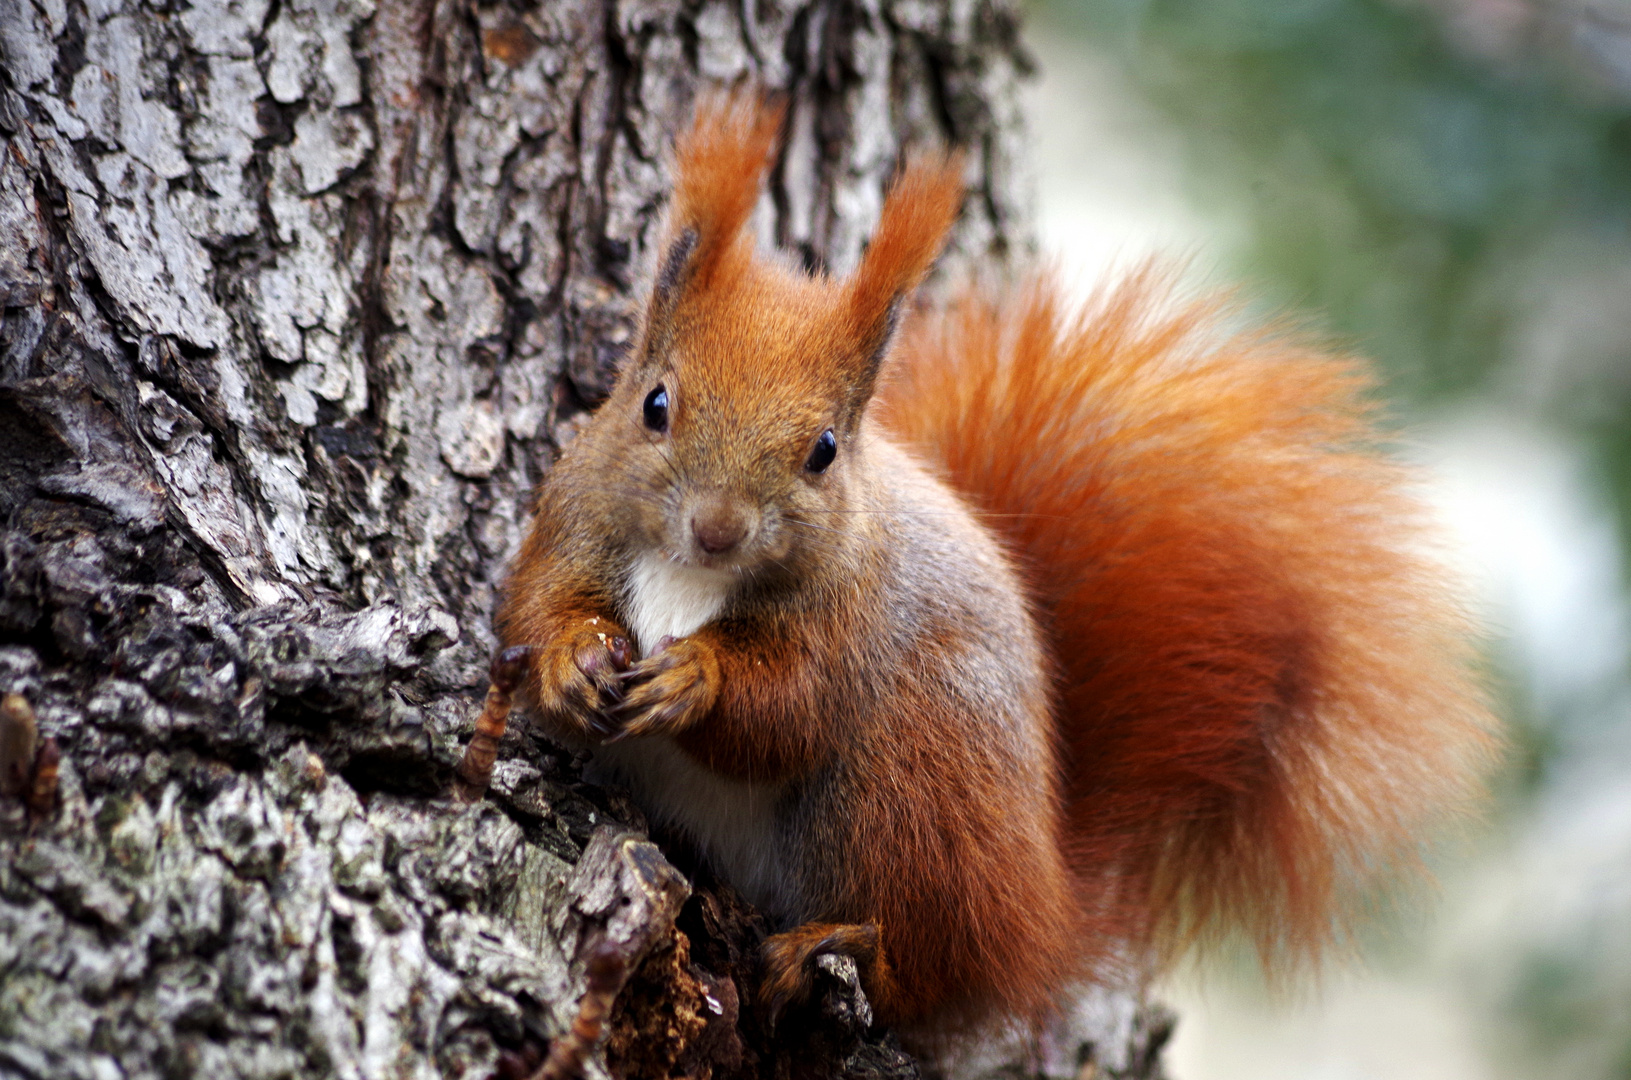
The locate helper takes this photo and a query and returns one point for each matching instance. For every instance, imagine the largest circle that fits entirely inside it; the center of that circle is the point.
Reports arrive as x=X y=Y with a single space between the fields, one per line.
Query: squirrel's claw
x=582 y=677
x=773 y=1010
x=666 y=692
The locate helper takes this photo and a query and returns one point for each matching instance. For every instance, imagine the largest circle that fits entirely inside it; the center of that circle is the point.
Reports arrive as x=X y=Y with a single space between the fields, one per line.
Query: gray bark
x=300 y=297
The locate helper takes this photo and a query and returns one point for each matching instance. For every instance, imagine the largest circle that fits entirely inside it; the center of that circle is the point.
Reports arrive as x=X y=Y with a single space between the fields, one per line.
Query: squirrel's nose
x=719 y=525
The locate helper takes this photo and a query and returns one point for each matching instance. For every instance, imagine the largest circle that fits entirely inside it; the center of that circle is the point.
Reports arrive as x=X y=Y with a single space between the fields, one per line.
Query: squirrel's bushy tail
x=1265 y=693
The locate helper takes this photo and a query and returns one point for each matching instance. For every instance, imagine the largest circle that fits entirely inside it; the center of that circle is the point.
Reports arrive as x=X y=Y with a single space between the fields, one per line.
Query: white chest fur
x=664 y=598
x=731 y=822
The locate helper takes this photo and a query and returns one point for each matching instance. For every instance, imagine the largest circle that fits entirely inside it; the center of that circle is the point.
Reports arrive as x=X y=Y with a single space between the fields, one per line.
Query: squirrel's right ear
x=718 y=164
x=922 y=205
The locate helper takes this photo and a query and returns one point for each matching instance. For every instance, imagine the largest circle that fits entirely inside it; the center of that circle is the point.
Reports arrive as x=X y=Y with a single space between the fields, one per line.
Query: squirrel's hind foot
x=790 y=966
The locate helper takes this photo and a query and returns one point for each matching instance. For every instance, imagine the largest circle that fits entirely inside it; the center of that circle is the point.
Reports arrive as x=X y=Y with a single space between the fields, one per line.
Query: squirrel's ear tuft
x=718 y=164
x=921 y=207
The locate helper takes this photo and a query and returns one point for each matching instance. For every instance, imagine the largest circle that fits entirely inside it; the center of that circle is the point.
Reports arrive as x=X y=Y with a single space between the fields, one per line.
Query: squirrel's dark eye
x=826 y=448
x=656 y=409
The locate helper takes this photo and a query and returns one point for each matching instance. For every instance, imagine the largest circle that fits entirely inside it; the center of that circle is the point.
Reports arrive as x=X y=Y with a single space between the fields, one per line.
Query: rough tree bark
x=300 y=297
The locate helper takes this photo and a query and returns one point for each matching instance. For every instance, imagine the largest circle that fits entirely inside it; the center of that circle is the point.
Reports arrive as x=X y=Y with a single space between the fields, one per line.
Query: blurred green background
x=1445 y=186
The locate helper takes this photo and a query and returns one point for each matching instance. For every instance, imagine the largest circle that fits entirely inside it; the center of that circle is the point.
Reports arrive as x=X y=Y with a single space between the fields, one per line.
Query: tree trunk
x=300 y=297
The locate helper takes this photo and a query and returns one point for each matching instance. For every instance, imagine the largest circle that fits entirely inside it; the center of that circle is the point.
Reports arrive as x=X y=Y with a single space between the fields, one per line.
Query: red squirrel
x=998 y=647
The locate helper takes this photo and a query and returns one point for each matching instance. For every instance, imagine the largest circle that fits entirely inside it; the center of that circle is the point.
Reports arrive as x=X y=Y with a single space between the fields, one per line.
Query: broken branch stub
x=626 y=897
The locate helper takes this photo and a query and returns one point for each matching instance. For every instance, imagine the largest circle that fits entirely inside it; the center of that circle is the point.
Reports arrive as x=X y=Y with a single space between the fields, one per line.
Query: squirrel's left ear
x=718 y=165
x=923 y=203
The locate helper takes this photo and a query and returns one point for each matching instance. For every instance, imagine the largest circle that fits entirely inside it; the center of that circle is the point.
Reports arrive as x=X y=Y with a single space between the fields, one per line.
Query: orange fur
x=1265 y=694
x=921 y=207
x=718 y=164
x=790 y=960
x=1261 y=691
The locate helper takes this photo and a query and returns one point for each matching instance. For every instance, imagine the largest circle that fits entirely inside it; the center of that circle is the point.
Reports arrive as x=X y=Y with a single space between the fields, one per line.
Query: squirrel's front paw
x=581 y=677
x=669 y=690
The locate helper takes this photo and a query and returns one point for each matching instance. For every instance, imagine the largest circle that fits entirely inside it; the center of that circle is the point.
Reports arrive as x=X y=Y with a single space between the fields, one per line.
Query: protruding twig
x=605 y=973
x=18 y=738
x=28 y=765
x=42 y=793
x=476 y=766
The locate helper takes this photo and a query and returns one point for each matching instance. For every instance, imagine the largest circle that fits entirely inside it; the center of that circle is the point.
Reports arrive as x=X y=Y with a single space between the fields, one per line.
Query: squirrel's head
x=738 y=416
